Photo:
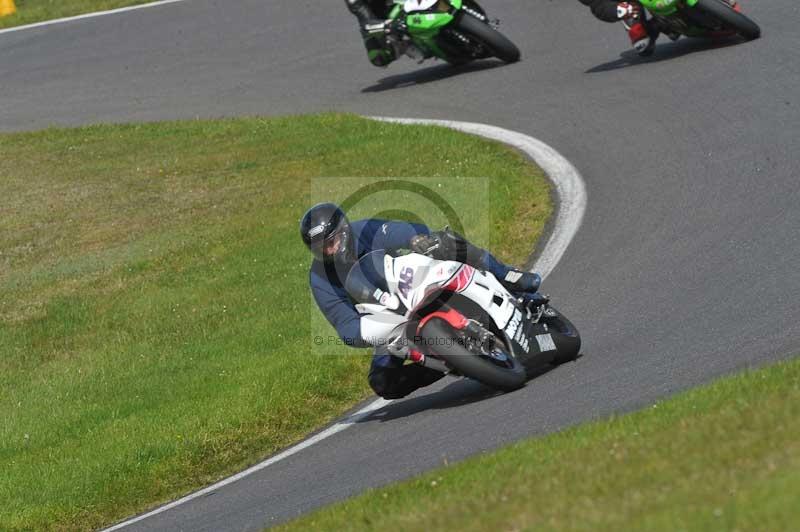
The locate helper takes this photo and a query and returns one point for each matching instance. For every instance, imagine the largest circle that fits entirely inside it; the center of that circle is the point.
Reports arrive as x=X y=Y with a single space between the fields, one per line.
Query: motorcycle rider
x=337 y=244
x=376 y=29
x=642 y=32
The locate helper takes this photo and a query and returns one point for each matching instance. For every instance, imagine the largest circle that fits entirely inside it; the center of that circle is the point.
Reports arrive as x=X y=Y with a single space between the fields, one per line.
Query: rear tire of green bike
x=732 y=19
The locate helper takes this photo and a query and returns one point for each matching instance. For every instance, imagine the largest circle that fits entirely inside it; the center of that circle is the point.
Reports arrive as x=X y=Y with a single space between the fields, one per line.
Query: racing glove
x=425 y=244
x=383 y=41
x=447 y=245
x=521 y=282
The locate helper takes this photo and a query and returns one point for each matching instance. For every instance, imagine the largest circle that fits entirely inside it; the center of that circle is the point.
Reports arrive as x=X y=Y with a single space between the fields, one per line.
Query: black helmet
x=327 y=234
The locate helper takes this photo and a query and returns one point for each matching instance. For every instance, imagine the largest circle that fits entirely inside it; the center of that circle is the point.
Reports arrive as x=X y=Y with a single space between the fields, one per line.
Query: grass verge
x=722 y=457
x=30 y=11
x=155 y=319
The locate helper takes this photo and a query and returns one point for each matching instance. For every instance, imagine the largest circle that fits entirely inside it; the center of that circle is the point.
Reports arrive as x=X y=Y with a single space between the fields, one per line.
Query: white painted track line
x=330 y=431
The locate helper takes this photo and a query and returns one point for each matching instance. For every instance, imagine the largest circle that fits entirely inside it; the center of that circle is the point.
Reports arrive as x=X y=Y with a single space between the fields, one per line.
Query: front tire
x=730 y=18
x=565 y=336
x=498 y=44
x=445 y=344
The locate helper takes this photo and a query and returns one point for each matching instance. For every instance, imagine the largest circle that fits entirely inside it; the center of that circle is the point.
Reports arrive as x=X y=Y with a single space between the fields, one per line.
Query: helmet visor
x=329 y=248
x=333 y=244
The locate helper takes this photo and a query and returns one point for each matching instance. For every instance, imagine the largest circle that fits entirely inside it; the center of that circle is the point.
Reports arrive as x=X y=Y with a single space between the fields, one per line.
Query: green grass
x=30 y=11
x=155 y=318
x=722 y=457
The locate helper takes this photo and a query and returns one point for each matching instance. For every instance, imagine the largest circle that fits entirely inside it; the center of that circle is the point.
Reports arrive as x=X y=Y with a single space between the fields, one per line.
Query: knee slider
x=379 y=383
x=384 y=386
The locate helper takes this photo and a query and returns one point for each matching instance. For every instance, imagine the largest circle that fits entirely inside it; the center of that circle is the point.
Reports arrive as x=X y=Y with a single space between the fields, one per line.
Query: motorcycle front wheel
x=495 y=42
x=565 y=335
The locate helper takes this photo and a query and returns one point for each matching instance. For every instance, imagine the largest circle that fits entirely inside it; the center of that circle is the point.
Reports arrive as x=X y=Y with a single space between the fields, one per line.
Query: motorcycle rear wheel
x=730 y=18
x=443 y=341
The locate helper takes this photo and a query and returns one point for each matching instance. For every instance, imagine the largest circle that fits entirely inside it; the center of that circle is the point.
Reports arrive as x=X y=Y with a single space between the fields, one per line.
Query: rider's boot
x=378 y=50
x=517 y=281
x=373 y=31
x=361 y=11
x=642 y=35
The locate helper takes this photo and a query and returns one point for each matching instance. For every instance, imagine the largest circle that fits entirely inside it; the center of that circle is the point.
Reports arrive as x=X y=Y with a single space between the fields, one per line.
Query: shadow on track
x=664 y=52
x=458 y=393
x=430 y=74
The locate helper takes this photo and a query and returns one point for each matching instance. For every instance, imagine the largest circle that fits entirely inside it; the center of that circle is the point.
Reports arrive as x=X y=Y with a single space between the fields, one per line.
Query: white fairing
x=409 y=6
x=412 y=276
x=382 y=324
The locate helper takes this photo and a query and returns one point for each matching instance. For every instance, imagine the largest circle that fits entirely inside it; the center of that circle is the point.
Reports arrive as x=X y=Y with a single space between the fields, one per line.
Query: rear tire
x=734 y=20
x=469 y=364
x=498 y=44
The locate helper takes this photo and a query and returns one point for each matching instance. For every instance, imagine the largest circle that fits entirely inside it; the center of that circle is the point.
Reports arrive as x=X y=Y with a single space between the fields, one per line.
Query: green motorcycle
x=457 y=31
x=700 y=18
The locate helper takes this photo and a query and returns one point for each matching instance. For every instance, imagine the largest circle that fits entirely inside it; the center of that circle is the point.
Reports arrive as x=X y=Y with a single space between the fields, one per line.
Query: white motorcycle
x=457 y=319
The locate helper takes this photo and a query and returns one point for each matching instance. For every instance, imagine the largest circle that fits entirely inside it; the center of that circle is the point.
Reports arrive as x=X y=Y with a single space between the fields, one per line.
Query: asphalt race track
x=687 y=265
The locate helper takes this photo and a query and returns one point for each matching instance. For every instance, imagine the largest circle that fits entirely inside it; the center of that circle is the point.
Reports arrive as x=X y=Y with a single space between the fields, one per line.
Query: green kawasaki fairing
x=670 y=8
x=457 y=31
x=424 y=27
x=666 y=7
